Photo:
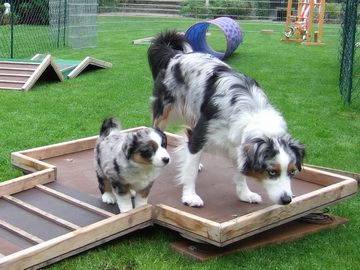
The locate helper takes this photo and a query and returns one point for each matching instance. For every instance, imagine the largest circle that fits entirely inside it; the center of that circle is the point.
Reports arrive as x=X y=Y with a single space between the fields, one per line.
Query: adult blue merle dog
x=227 y=113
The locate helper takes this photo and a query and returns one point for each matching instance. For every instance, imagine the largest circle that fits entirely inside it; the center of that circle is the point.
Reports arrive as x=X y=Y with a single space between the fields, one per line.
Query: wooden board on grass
x=222 y=221
x=284 y=233
x=18 y=74
x=43 y=220
x=72 y=68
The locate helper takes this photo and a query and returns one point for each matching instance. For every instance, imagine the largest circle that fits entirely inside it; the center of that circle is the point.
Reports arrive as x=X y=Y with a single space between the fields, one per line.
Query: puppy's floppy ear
x=163 y=136
x=130 y=144
x=299 y=150
x=255 y=152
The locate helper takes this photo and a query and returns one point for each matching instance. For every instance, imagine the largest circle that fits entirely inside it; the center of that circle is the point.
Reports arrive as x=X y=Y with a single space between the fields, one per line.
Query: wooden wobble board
x=36 y=231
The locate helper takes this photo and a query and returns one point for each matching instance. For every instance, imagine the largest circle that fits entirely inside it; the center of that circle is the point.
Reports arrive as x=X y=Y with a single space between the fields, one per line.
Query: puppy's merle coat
x=127 y=163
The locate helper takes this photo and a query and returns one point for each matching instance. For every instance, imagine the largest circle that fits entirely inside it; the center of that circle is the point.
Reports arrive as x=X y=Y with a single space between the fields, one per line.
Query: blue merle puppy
x=127 y=163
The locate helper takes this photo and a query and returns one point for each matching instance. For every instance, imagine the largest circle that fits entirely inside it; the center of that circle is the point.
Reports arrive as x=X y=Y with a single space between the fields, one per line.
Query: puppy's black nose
x=285 y=199
x=166 y=160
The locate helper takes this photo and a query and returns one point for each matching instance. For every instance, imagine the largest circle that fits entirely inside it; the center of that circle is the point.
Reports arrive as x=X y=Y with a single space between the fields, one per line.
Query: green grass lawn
x=301 y=81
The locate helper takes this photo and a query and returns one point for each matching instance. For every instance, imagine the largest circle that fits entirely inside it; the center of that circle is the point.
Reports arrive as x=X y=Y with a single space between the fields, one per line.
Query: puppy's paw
x=108 y=198
x=192 y=200
x=250 y=197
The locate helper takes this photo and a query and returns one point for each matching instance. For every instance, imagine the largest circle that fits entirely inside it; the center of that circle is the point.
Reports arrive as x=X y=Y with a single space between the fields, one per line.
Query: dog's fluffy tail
x=108 y=125
x=165 y=46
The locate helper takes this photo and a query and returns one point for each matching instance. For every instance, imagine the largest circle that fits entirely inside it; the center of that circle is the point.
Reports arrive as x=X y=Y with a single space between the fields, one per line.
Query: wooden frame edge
x=85 y=63
x=28 y=164
x=237 y=228
x=27 y=181
x=169 y=217
x=86 y=237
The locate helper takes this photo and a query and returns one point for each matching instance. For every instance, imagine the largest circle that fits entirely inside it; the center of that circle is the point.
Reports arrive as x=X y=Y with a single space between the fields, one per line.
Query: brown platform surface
x=214 y=185
x=224 y=218
x=70 y=217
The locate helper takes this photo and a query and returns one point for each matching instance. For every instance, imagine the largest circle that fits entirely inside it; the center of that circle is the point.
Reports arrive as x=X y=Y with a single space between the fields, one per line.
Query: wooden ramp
x=23 y=74
x=72 y=68
x=55 y=211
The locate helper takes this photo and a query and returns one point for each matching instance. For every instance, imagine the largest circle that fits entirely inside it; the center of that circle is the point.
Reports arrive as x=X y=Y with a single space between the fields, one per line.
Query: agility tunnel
x=231 y=29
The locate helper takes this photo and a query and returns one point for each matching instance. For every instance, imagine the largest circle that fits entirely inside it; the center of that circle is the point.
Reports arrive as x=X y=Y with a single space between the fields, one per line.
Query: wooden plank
x=46 y=63
x=172 y=217
x=276 y=215
x=39 y=212
x=321 y=177
x=74 y=201
x=19 y=65
x=31 y=238
x=60 y=149
x=141 y=40
x=354 y=175
x=19 y=71
x=11 y=78
x=284 y=233
x=88 y=62
x=27 y=182
x=79 y=240
x=28 y=164
x=10 y=86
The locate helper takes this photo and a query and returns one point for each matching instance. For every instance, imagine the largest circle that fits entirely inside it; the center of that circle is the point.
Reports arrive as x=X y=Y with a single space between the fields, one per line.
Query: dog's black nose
x=285 y=199
x=166 y=160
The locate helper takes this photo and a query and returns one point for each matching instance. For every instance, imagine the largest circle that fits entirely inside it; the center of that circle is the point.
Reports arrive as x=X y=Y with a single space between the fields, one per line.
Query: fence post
x=65 y=17
x=348 y=49
x=11 y=29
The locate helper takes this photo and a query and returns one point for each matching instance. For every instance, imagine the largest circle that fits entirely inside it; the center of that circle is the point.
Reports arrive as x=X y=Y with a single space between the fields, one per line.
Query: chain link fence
x=29 y=27
x=350 y=54
x=24 y=28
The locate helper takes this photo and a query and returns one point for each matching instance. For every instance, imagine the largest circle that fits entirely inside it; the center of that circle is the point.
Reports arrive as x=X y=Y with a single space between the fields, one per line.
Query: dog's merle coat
x=128 y=163
x=227 y=113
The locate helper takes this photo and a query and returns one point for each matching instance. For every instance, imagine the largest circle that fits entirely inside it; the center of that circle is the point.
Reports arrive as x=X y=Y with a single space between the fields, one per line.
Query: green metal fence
x=350 y=54
x=24 y=28
x=29 y=27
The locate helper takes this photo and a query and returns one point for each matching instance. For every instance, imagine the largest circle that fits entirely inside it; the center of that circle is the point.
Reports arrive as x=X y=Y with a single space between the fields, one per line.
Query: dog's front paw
x=108 y=198
x=250 y=197
x=192 y=200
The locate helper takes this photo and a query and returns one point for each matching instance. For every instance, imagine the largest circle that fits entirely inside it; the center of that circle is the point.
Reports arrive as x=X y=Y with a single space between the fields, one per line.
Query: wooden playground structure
x=303 y=25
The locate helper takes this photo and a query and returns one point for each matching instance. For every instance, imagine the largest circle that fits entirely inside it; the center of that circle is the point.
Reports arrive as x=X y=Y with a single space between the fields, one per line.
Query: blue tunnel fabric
x=231 y=29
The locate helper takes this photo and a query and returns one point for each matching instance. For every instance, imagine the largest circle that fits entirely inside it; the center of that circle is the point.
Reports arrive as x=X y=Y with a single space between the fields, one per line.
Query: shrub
x=262 y=9
x=194 y=7
x=332 y=12
x=232 y=8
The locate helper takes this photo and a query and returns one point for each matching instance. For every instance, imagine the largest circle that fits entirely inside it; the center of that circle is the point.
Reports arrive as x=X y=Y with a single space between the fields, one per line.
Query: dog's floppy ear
x=299 y=150
x=163 y=137
x=130 y=144
x=255 y=152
